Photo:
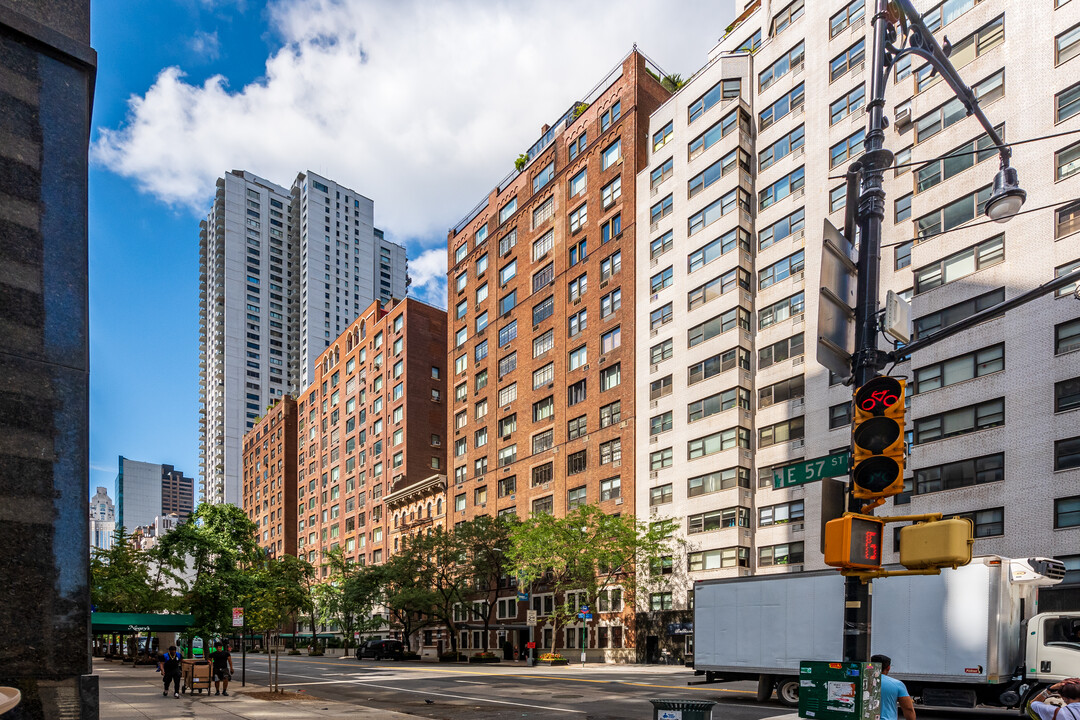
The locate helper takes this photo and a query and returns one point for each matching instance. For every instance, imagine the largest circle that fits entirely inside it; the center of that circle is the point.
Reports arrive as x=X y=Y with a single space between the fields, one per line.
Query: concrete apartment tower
x=744 y=166
x=48 y=70
x=283 y=272
x=542 y=327
x=145 y=491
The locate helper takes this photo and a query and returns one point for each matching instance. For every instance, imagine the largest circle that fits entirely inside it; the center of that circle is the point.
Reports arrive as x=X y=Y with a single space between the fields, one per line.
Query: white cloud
x=205 y=46
x=420 y=104
x=428 y=272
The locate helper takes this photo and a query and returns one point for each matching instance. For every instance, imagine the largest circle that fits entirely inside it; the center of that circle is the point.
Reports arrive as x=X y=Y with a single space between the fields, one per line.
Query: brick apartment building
x=541 y=302
x=372 y=423
x=269 y=477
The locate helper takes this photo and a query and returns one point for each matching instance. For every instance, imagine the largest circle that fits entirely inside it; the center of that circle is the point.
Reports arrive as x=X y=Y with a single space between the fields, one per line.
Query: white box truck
x=965 y=637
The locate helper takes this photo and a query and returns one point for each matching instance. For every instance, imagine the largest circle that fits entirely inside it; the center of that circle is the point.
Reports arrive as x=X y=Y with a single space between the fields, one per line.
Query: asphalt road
x=481 y=692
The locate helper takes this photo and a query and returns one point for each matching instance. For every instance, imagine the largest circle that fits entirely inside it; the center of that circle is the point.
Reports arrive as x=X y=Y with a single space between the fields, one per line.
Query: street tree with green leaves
x=588 y=552
x=487 y=542
x=125 y=579
x=404 y=588
x=275 y=594
x=217 y=545
x=446 y=570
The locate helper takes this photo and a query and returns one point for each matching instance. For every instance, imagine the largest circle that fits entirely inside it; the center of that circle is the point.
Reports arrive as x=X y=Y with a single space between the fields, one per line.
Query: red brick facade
x=270 y=477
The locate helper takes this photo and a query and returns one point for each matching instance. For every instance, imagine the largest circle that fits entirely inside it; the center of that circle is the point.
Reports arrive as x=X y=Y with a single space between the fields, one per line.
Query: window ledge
x=915 y=446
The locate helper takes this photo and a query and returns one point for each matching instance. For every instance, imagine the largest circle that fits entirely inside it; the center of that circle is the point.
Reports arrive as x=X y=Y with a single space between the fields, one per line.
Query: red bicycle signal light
x=877 y=438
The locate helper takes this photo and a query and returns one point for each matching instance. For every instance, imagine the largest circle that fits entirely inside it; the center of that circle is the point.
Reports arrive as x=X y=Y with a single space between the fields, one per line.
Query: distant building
x=297 y=266
x=102 y=520
x=145 y=491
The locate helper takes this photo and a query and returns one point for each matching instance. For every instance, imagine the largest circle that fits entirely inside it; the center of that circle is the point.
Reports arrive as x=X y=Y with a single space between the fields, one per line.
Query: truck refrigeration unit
x=965 y=637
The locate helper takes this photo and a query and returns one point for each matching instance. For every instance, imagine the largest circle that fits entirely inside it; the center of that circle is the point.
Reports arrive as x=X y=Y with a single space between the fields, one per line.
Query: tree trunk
x=270 y=680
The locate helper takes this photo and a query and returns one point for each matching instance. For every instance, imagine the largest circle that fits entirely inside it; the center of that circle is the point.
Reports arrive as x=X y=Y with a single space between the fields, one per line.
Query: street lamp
x=1007 y=197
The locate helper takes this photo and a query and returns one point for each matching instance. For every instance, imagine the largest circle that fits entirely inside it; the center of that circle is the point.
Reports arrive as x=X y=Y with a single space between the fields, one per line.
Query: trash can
x=671 y=709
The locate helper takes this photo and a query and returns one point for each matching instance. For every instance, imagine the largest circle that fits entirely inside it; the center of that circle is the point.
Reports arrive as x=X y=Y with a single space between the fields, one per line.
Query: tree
x=274 y=594
x=124 y=579
x=487 y=540
x=218 y=544
x=672 y=82
x=446 y=570
x=404 y=587
x=589 y=552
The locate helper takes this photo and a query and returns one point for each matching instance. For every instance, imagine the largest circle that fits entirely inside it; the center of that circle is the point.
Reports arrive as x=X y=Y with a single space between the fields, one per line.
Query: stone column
x=47 y=73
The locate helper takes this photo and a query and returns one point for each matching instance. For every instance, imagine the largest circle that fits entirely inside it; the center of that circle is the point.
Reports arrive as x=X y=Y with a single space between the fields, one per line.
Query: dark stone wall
x=45 y=97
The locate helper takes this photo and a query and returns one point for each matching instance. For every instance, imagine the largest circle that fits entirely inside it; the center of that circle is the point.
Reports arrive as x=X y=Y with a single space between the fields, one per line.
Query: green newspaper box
x=839 y=690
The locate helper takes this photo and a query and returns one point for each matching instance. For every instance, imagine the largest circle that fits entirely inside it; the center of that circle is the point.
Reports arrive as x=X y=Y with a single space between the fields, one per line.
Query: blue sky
x=421 y=105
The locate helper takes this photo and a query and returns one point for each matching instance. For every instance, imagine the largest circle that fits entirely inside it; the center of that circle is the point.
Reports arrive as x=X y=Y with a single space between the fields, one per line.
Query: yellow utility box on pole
x=938 y=543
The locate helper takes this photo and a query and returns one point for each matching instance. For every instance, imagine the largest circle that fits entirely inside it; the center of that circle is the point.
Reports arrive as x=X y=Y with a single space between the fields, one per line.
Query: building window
x=793 y=58
x=577 y=462
x=611 y=155
x=1067 y=337
x=782 y=513
x=542 y=474
x=719 y=559
x=847 y=104
x=956 y=161
x=1067 y=45
x=579 y=217
x=660 y=423
x=785 y=17
x=793 y=100
x=660 y=210
x=1067 y=512
x=661 y=601
x=953 y=111
x=778 y=312
x=661 y=136
x=780 y=351
x=781 y=270
x=988 y=523
x=575 y=497
x=661 y=173
x=1065 y=270
x=611 y=302
x=970 y=260
x=543 y=506
x=610 y=340
x=661 y=245
x=837 y=198
x=660 y=388
x=610 y=377
x=721 y=362
x=718 y=520
x=717 y=481
x=660 y=459
x=723 y=90
x=718 y=403
x=576 y=393
x=847 y=60
x=963 y=473
x=718 y=442
x=781 y=432
x=610 y=193
x=846 y=149
x=1068 y=220
x=735 y=238
x=843 y=19
x=660 y=352
x=902 y=255
x=791 y=225
x=578 y=357
x=790 y=389
x=929 y=324
x=783 y=554
x=953 y=215
x=610 y=414
x=1067 y=395
x=965 y=367
x=1067 y=103
x=611 y=451
x=661 y=280
x=736 y=317
x=578 y=322
x=781 y=188
x=507 y=395
x=1067 y=161
x=1067 y=453
x=989 y=414
x=718 y=286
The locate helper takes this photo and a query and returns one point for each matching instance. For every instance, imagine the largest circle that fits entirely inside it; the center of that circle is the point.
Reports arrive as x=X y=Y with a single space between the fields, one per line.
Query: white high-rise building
x=102 y=520
x=283 y=272
x=745 y=165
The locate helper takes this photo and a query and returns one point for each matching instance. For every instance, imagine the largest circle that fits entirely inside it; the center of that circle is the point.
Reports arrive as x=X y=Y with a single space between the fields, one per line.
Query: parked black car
x=380 y=649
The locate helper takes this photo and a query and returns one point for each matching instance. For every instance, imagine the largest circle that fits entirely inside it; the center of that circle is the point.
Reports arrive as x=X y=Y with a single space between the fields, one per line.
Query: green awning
x=102 y=622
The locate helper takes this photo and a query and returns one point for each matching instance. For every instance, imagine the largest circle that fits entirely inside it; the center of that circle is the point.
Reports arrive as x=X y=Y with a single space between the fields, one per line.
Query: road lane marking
x=448 y=671
x=472 y=699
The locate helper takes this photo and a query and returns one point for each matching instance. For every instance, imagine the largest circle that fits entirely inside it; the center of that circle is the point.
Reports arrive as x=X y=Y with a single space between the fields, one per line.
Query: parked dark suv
x=380 y=649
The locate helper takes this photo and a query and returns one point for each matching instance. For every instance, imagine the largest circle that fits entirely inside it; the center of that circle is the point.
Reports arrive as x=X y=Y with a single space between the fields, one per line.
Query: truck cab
x=1052 y=651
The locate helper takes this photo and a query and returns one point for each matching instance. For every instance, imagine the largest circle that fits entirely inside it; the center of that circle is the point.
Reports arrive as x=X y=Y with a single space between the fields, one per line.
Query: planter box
x=560 y=661
x=451 y=658
x=480 y=660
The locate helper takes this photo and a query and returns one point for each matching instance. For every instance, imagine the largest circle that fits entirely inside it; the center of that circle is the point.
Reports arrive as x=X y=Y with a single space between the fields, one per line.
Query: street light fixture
x=1007 y=197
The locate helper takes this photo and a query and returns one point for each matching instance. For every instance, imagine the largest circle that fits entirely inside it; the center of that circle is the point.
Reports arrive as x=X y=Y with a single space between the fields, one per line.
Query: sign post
x=238 y=621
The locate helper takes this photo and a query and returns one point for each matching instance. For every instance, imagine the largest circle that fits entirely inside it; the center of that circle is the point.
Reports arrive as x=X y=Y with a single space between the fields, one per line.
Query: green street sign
x=811 y=470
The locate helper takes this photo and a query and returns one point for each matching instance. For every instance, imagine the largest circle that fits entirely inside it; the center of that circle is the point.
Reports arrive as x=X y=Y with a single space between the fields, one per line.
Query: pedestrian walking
x=222 y=668
x=169 y=667
x=893 y=692
x=1068 y=691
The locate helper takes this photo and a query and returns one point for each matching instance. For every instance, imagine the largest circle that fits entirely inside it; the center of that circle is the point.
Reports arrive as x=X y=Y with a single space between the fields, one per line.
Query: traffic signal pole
x=866 y=361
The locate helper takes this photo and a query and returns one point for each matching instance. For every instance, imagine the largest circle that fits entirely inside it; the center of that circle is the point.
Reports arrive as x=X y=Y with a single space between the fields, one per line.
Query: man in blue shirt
x=893 y=692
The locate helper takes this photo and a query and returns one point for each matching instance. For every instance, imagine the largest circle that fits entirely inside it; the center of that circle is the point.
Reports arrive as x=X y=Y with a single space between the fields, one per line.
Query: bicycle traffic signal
x=877 y=439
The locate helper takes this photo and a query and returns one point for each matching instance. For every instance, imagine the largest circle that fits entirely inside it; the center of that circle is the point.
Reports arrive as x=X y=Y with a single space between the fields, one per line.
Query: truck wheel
x=764 y=687
x=787 y=691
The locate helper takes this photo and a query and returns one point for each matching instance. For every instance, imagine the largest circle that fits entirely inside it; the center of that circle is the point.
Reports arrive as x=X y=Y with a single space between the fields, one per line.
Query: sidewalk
x=128 y=693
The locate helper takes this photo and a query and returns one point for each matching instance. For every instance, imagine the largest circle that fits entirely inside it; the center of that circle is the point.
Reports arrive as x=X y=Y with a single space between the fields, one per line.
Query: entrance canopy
x=102 y=622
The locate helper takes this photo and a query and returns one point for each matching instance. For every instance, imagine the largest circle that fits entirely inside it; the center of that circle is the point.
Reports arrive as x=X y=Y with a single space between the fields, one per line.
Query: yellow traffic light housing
x=877 y=439
x=853 y=542
x=940 y=543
